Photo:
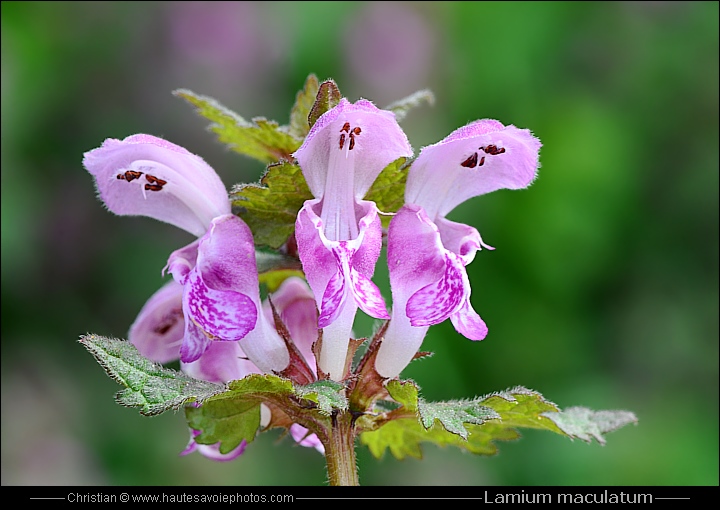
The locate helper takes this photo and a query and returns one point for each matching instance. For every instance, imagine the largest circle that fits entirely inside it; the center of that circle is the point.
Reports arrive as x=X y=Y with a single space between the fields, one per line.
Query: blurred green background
x=603 y=289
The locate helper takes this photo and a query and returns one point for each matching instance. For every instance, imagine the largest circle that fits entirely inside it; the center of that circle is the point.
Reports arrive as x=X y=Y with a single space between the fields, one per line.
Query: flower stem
x=340 y=451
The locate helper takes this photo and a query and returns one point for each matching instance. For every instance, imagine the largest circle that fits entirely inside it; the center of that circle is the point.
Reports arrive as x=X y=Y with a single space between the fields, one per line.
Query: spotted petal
x=148 y=176
x=481 y=157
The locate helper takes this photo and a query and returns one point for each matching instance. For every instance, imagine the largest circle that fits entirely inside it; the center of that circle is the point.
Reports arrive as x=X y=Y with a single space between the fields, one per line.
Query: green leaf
x=234 y=415
x=328 y=97
x=403 y=106
x=148 y=386
x=328 y=395
x=404 y=393
x=304 y=101
x=260 y=139
x=271 y=206
x=585 y=424
x=388 y=190
x=475 y=425
x=228 y=422
x=453 y=414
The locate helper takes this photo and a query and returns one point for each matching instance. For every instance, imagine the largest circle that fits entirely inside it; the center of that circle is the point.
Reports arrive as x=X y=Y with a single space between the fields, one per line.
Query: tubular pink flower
x=148 y=176
x=145 y=175
x=339 y=235
x=427 y=253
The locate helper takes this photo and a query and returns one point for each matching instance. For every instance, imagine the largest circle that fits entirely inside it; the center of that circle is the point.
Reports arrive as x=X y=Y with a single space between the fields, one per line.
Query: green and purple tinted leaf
x=328 y=97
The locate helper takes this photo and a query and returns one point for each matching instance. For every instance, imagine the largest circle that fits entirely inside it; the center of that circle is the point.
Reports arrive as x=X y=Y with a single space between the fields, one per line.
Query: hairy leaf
x=585 y=424
x=271 y=206
x=403 y=106
x=388 y=190
x=475 y=425
x=234 y=415
x=261 y=139
x=454 y=414
x=304 y=101
x=328 y=395
x=148 y=386
x=328 y=97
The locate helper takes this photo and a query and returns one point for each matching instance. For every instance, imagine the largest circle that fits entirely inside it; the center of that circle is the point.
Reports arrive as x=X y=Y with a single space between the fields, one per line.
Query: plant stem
x=340 y=451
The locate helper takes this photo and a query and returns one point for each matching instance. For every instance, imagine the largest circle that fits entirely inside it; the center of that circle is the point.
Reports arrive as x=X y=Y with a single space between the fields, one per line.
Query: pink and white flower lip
x=339 y=235
x=427 y=253
x=148 y=176
x=221 y=301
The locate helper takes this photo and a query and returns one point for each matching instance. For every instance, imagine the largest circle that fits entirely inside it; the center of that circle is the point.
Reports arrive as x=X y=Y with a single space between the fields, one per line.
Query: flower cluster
x=211 y=316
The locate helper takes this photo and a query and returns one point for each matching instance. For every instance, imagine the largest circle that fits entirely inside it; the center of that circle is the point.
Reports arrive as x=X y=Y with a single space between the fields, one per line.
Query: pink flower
x=427 y=253
x=149 y=176
x=339 y=235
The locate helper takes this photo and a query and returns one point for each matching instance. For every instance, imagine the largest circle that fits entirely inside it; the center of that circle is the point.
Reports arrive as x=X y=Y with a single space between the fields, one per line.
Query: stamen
x=155 y=183
x=472 y=161
x=482 y=161
x=346 y=127
x=492 y=150
x=352 y=140
x=129 y=175
x=342 y=140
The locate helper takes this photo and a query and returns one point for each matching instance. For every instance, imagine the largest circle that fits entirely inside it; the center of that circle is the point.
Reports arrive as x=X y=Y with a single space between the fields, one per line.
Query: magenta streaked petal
x=468 y=323
x=437 y=301
x=302 y=436
x=318 y=261
x=148 y=176
x=194 y=342
x=377 y=140
x=367 y=295
x=222 y=362
x=333 y=299
x=481 y=157
x=159 y=327
x=225 y=315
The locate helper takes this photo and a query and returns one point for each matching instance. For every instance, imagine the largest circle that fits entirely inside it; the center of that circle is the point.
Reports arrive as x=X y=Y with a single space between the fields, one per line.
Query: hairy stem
x=340 y=451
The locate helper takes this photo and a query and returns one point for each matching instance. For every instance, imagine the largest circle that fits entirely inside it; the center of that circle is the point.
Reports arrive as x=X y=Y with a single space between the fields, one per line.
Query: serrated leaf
x=403 y=106
x=261 y=139
x=328 y=395
x=388 y=190
x=513 y=408
x=148 y=386
x=404 y=437
x=271 y=207
x=228 y=422
x=521 y=407
x=304 y=101
x=585 y=424
x=404 y=393
x=234 y=415
x=328 y=97
x=453 y=414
